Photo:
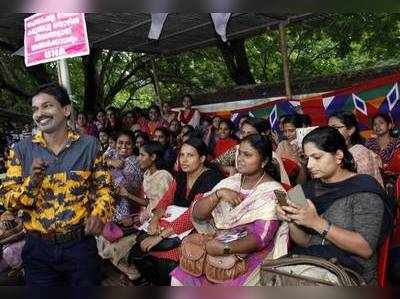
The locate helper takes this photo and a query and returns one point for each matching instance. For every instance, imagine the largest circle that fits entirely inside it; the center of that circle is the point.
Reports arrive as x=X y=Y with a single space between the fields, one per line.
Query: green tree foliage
x=343 y=43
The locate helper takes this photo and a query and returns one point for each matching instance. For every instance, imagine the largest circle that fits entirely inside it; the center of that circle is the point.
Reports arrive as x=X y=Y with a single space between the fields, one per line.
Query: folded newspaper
x=171 y=214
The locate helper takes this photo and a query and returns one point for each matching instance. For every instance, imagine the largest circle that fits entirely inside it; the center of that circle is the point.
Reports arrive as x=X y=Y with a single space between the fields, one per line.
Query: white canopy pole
x=64 y=80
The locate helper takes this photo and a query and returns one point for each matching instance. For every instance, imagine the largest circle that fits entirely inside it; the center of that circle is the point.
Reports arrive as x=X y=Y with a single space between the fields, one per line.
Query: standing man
x=49 y=179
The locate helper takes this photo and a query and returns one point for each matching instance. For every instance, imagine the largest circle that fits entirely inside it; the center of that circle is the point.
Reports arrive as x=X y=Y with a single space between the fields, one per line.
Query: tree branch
x=168 y=78
x=13 y=89
x=123 y=81
x=104 y=65
x=315 y=58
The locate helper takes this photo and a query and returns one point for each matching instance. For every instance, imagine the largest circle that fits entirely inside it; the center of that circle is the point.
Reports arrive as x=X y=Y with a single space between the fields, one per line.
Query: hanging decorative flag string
x=359 y=104
x=273 y=116
x=393 y=97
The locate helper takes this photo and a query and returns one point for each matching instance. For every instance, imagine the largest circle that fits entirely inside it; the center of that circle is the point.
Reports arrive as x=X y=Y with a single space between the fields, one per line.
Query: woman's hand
x=215 y=248
x=230 y=196
x=305 y=216
x=121 y=191
x=165 y=233
x=281 y=214
x=275 y=137
x=147 y=244
x=154 y=228
x=116 y=163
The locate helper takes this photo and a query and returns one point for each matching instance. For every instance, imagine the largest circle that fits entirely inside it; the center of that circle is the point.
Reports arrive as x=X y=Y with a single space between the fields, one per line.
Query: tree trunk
x=91 y=100
x=237 y=63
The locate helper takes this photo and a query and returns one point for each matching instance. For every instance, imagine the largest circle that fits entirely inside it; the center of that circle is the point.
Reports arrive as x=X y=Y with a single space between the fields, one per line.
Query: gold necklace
x=255 y=185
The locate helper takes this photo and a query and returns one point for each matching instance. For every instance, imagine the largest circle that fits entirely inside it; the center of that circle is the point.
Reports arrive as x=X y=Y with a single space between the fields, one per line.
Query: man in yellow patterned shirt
x=57 y=182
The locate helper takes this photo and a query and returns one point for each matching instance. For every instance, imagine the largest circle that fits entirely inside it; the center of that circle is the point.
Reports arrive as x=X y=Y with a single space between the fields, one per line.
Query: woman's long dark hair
x=349 y=120
x=330 y=140
x=264 y=148
x=155 y=148
x=199 y=145
x=260 y=124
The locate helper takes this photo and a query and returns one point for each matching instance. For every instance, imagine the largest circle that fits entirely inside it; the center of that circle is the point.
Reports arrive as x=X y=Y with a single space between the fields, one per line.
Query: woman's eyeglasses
x=338 y=127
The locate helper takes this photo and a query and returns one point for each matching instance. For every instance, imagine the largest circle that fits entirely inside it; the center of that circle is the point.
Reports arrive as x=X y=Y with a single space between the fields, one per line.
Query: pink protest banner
x=54 y=36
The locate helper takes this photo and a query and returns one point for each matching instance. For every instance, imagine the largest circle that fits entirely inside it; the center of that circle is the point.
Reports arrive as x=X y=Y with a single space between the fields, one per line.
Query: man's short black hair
x=55 y=90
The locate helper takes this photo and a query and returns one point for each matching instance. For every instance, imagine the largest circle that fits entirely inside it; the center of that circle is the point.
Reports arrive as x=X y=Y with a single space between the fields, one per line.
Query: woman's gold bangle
x=216 y=195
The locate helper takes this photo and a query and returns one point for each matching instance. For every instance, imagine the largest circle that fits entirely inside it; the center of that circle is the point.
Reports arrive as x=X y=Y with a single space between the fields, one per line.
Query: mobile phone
x=296 y=196
x=281 y=197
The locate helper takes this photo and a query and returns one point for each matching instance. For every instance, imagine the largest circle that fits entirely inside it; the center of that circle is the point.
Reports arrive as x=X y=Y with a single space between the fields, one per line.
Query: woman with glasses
x=367 y=161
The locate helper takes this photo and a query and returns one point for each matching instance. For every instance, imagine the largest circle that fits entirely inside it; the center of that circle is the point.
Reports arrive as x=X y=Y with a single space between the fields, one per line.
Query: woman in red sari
x=388 y=148
x=189 y=116
x=172 y=215
x=225 y=141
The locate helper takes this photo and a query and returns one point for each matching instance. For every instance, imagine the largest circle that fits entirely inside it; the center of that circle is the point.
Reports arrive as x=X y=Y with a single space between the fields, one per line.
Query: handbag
x=11 y=229
x=303 y=270
x=217 y=269
x=193 y=255
x=112 y=232
x=166 y=244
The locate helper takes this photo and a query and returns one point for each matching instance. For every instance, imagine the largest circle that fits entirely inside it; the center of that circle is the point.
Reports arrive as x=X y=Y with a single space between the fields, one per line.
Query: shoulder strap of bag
x=343 y=277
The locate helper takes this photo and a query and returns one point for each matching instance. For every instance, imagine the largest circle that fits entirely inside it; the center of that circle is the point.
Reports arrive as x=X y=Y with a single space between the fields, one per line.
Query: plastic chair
x=398 y=195
x=383 y=258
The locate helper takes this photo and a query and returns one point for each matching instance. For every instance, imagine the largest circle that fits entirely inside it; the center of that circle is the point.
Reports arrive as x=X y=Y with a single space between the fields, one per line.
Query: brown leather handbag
x=193 y=251
x=217 y=269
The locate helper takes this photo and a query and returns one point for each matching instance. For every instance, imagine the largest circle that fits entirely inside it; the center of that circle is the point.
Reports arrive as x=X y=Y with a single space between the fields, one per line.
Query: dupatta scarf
x=260 y=204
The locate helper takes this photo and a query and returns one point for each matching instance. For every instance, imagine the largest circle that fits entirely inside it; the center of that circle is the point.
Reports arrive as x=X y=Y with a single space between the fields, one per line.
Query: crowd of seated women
x=178 y=174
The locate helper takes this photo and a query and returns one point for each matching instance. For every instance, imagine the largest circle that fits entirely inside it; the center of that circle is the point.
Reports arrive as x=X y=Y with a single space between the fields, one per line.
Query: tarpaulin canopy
x=180 y=32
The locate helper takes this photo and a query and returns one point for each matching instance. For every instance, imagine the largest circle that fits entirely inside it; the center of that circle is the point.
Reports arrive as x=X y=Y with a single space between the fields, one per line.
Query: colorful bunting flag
x=359 y=104
x=393 y=97
x=364 y=99
x=273 y=116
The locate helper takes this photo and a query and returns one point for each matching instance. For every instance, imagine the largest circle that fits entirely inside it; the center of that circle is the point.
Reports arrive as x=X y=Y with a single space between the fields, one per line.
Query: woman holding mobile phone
x=347 y=215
